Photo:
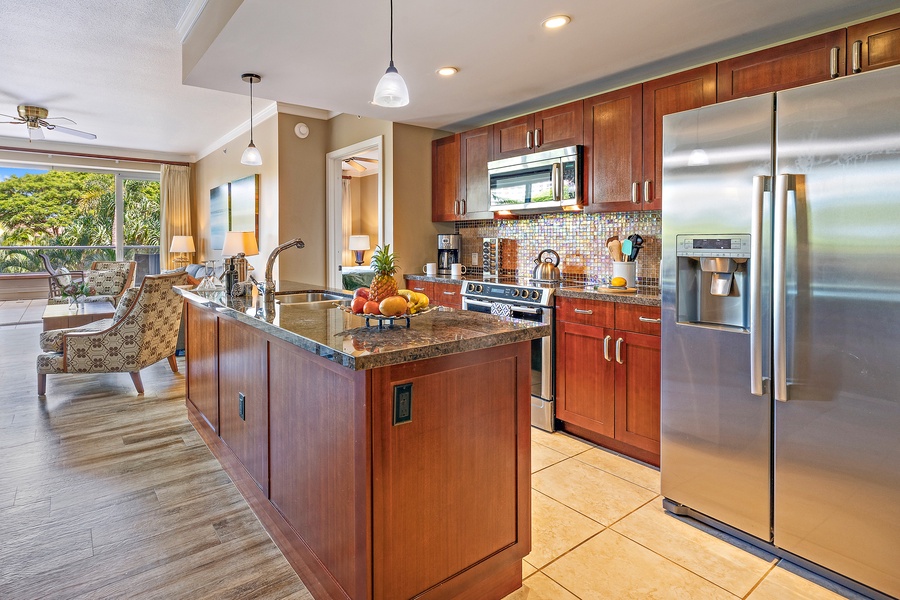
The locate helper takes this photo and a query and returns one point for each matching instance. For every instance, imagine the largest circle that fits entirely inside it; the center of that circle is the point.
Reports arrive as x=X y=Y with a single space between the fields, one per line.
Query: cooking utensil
x=546 y=269
x=615 y=250
x=637 y=242
x=626 y=249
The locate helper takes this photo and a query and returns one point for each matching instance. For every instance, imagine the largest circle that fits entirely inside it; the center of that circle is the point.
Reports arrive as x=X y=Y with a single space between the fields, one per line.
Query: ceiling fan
x=36 y=119
x=356 y=162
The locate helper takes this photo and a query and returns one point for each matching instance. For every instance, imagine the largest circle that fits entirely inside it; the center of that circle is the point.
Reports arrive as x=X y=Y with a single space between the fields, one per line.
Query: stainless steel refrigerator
x=781 y=322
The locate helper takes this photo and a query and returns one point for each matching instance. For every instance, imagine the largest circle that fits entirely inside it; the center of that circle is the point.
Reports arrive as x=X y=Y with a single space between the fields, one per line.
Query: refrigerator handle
x=756 y=219
x=779 y=239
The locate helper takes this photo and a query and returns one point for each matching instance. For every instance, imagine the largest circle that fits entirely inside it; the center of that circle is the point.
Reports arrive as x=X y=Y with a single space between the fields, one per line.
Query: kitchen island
x=385 y=463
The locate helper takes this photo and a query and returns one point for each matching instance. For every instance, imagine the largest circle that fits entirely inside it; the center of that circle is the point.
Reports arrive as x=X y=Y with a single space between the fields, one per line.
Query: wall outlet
x=402 y=403
x=474 y=259
x=242 y=403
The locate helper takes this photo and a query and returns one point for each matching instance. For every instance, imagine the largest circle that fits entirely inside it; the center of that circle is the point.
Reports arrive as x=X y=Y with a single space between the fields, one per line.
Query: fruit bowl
x=382 y=319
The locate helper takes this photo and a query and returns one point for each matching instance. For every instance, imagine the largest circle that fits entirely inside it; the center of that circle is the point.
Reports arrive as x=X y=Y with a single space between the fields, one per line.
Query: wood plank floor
x=107 y=494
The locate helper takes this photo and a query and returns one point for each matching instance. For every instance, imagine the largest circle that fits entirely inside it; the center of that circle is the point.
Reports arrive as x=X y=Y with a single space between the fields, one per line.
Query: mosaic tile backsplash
x=579 y=239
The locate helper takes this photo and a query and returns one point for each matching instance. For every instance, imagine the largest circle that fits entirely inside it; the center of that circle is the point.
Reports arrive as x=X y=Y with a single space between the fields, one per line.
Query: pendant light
x=251 y=155
x=391 y=89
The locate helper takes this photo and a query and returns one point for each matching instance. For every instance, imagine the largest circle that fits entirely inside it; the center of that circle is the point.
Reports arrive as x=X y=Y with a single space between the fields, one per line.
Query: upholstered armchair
x=109 y=278
x=143 y=331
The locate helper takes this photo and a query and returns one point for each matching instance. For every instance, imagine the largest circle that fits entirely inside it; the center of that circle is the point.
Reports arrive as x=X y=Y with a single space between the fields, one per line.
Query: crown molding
x=189 y=18
x=268 y=111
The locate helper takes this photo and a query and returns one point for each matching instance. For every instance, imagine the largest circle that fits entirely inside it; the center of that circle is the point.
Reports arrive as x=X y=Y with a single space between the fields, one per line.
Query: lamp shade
x=359 y=242
x=240 y=242
x=391 y=90
x=182 y=243
x=251 y=156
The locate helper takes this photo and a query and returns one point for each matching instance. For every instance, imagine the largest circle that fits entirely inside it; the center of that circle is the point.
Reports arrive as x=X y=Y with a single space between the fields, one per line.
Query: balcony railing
x=26 y=259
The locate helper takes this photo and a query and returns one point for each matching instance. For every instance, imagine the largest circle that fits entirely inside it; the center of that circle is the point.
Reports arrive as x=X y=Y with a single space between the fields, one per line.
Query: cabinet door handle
x=835 y=55
x=581 y=311
x=606 y=347
x=456 y=207
x=421 y=289
x=619 y=351
x=449 y=293
x=462 y=206
x=529 y=140
x=648 y=320
x=856 y=57
x=647 y=197
x=538 y=138
x=635 y=192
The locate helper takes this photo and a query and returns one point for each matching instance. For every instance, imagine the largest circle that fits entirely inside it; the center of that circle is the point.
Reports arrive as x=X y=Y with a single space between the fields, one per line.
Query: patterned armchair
x=110 y=278
x=143 y=331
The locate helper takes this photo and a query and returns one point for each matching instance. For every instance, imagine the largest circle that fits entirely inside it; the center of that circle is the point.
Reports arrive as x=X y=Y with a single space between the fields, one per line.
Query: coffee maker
x=448 y=251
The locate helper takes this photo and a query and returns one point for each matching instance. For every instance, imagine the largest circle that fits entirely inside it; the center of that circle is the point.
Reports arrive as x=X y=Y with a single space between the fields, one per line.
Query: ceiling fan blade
x=81 y=134
x=364 y=159
x=355 y=165
x=18 y=119
x=35 y=133
x=11 y=122
x=72 y=121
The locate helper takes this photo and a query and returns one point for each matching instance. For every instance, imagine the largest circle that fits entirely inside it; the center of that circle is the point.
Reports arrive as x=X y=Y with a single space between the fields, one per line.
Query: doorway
x=361 y=161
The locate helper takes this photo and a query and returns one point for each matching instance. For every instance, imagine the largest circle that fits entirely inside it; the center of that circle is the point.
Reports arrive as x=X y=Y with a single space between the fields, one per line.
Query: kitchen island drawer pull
x=606 y=347
x=619 y=351
x=648 y=320
x=582 y=311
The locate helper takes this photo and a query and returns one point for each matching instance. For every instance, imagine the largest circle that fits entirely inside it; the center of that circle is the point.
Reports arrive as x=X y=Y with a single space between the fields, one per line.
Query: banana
x=422 y=302
x=411 y=300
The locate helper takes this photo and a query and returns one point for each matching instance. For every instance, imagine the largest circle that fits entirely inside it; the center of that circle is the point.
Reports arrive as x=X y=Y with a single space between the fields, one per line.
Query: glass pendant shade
x=391 y=89
x=251 y=156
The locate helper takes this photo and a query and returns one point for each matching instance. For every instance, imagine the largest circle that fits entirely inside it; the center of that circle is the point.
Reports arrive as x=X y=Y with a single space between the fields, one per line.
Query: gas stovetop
x=512 y=291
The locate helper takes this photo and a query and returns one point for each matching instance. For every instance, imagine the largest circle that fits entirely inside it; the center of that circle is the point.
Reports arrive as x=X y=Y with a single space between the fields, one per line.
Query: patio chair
x=109 y=278
x=143 y=331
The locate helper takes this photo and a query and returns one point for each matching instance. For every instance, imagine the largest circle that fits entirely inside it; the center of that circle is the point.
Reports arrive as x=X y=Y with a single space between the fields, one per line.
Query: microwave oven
x=540 y=182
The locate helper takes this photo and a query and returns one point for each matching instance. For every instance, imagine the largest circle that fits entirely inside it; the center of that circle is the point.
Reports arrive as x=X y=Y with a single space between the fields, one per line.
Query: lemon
x=618 y=282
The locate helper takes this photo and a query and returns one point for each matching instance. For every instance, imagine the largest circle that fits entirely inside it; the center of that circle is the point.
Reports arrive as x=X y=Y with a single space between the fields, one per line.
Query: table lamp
x=239 y=245
x=182 y=245
x=359 y=244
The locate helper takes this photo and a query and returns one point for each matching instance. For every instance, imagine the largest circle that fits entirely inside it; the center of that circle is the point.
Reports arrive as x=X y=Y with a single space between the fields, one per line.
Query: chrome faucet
x=268 y=288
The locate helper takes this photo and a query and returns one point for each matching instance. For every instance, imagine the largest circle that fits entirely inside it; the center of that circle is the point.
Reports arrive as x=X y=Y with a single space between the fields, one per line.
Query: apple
x=357 y=305
x=371 y=308
x=362 y=292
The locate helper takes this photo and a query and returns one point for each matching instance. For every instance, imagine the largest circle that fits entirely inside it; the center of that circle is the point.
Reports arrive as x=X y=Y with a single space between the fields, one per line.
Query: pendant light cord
x=251 y=110
x=392 y=33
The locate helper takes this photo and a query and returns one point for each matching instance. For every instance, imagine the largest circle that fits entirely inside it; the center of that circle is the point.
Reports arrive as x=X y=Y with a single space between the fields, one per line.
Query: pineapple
x=383 y=284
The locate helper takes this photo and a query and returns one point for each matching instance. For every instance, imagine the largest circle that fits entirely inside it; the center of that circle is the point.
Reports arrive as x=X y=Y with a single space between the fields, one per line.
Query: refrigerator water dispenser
x=711 y=286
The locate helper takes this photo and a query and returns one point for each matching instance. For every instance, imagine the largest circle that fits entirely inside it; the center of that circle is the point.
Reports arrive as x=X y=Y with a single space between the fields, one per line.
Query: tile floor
x=599 y=532
x=21 y=312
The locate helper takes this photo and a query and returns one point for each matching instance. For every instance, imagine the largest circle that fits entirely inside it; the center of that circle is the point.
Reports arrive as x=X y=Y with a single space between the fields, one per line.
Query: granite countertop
x=345 y=339
x=645 y=296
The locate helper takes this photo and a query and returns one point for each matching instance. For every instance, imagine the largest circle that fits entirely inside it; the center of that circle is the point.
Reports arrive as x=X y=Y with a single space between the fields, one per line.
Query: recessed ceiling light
x=556 y=21
x=447 y=71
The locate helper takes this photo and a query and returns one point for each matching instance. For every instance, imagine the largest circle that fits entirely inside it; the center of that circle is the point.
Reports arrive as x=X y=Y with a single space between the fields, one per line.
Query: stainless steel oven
x=530 y=303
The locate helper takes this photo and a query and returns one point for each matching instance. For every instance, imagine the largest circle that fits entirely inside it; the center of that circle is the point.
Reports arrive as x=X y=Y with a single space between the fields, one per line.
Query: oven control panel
x=510 y=293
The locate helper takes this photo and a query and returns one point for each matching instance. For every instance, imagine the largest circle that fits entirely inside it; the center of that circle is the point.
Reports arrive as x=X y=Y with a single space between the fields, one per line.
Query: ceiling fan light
x=251 y=156
x=391 y=90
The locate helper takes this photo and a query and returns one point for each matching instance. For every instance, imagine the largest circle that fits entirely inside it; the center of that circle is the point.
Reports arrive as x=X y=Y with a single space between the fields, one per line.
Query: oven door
x=542 y=409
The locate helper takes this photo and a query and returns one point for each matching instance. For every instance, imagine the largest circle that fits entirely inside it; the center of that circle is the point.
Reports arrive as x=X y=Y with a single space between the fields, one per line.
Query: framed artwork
x=218 y=215
x=243 y=210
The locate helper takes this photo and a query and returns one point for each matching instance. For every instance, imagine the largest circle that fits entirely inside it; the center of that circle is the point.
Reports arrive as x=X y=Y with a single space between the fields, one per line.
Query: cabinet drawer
x=447 y=294
x=423 y=287
x=586 y=312
x=638 y=318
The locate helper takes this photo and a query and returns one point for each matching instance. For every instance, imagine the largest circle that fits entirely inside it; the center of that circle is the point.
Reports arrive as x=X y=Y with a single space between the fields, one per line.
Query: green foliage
x=65 y=208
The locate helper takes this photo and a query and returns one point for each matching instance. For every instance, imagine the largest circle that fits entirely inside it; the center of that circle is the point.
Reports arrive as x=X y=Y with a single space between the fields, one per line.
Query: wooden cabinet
x=682 y=91
x=447 y=294
x=810 y=60
x=423 y=287
x=608 y=374
x=475 y=148
x=201 y=342
x=555 y=127
x=244 y=423
x=445 y=176
x=623 y=138
x=459 y=179
x=874 y=44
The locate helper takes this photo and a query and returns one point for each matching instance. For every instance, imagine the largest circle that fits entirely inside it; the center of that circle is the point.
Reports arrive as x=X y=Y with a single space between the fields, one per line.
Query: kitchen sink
x=310 y=299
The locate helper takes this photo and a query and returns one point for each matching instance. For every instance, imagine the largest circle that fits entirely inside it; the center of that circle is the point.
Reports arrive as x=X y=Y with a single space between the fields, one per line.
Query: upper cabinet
x=556 y=127
x=623 y=138
x=459 y=179
x=874 y=45
x=805 y=61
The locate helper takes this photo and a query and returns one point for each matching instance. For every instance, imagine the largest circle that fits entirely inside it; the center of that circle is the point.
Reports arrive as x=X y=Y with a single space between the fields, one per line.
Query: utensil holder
x=627 y=270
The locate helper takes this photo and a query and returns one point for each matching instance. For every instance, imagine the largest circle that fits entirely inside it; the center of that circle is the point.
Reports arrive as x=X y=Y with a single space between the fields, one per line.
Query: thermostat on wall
x=302 y=130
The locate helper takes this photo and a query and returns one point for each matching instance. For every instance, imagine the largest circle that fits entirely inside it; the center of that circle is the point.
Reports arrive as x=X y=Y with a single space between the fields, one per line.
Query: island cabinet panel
x=451 y=486
x=810 y=60
x=202 y=364
x=243 y=370
x=874 y=44
x=318 y=459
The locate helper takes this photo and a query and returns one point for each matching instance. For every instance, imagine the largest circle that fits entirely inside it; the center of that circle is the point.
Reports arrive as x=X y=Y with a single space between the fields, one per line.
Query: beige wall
x=368 y=207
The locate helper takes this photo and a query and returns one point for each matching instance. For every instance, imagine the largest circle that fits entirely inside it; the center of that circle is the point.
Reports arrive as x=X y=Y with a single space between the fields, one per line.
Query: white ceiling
x=115 y=68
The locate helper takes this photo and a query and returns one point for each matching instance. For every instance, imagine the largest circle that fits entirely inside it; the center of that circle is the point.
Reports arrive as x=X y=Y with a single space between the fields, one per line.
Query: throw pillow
x=62 y=277
x=106 y=283
x=125 y=303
